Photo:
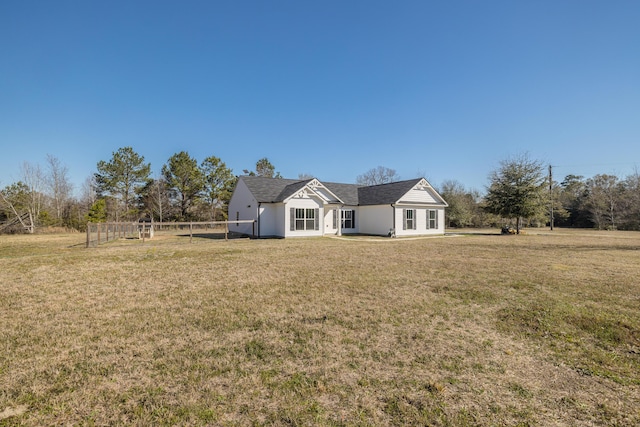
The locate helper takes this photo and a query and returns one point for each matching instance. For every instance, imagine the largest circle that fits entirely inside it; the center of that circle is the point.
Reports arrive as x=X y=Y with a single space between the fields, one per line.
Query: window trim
x=304 y=219
x=343 y=220
x=409 y=223
x=431 y=220
x=351 y=220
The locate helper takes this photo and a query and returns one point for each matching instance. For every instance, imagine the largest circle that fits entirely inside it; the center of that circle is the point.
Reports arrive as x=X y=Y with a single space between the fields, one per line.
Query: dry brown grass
x=538 y=329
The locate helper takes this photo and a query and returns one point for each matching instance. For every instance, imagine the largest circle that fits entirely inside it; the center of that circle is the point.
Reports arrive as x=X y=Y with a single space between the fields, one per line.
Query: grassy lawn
x=537 y=329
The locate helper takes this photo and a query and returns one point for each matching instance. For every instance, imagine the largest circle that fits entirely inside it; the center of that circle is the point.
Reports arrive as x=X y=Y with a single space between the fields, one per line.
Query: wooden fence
x=103 y=232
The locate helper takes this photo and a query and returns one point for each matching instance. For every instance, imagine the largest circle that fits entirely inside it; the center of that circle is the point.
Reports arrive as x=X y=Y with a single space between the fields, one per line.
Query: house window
x=304 y=219
x=349 y=219
x=409 y=219
x=432 y=219
x=310 y=219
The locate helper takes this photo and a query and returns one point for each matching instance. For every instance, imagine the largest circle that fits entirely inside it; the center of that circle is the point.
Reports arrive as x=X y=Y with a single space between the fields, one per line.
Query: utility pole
x=551 y=197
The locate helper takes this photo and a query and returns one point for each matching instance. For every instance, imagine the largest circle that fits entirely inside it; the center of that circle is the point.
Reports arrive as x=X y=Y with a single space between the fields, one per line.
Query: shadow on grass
x=472 y=233
x=217 y=236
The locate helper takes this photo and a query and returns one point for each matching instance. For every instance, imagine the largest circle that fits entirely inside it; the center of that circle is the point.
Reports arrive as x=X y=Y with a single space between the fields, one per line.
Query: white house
x=291 y=208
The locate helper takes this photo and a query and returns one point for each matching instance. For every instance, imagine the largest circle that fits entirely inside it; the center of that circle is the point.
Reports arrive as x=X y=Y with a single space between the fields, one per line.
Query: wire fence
x=104 y=232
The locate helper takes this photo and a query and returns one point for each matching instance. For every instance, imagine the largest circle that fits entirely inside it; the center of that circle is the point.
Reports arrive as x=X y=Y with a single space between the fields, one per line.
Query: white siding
x=268 y=220
x=328 y=220
x=281 y=220
x=419 y=196
x=375 y=219
x=242 y=206
x=420 y=219
x=303 y=204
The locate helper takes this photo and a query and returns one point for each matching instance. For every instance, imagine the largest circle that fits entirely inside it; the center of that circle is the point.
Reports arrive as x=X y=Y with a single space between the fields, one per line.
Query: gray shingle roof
x=267 y=190
x=385 y=194
x=291 y=189
x=348 y=193
x=274 y=190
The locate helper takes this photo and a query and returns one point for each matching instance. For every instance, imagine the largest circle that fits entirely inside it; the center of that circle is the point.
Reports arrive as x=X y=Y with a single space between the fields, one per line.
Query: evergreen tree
x=122 y=177
x=97 y=211
x=184 y=180
x=218 y=182
x=516 y=190
x=264 y=168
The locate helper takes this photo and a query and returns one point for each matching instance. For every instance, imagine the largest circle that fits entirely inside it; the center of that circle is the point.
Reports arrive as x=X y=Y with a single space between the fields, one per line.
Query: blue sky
x=442 y=89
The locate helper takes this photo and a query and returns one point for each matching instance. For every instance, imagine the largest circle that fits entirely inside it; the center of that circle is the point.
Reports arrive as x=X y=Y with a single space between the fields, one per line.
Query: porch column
x=339 y=216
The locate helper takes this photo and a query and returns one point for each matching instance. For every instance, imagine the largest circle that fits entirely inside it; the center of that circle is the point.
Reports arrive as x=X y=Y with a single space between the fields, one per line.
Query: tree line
x=522 y=193
x=519 y=193
x=121 y=189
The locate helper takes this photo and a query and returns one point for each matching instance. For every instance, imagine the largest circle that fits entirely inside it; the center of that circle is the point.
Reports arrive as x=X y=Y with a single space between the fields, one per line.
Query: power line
x=595 y=165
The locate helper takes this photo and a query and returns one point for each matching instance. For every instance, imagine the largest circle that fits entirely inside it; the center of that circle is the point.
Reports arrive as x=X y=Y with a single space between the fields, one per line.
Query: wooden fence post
x=190 y=232
x=88 y=234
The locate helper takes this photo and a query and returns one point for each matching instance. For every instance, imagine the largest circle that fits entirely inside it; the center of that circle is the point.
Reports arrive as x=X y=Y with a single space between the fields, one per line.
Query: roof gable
x=290 y=190
x=422 y=193
x=280 y=190
x=310 y=186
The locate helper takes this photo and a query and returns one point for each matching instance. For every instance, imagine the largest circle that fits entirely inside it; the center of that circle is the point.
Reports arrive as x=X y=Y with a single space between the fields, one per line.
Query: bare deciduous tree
x=463 y=210
x=155 y=198
x=13 y=201
x=33 y=178
x=604 y=193
x=89 y=191
x=57 y=181
x=379 y=175
x=631 y=201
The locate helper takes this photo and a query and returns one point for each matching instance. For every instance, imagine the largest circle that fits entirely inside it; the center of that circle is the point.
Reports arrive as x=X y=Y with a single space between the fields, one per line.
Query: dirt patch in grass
x=475 y=330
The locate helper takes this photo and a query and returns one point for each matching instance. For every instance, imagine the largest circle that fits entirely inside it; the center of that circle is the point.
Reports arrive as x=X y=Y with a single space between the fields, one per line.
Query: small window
x=432 y=219
x=299 y=219
x=310 y=219
x=409 y=219
x=349 y=218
